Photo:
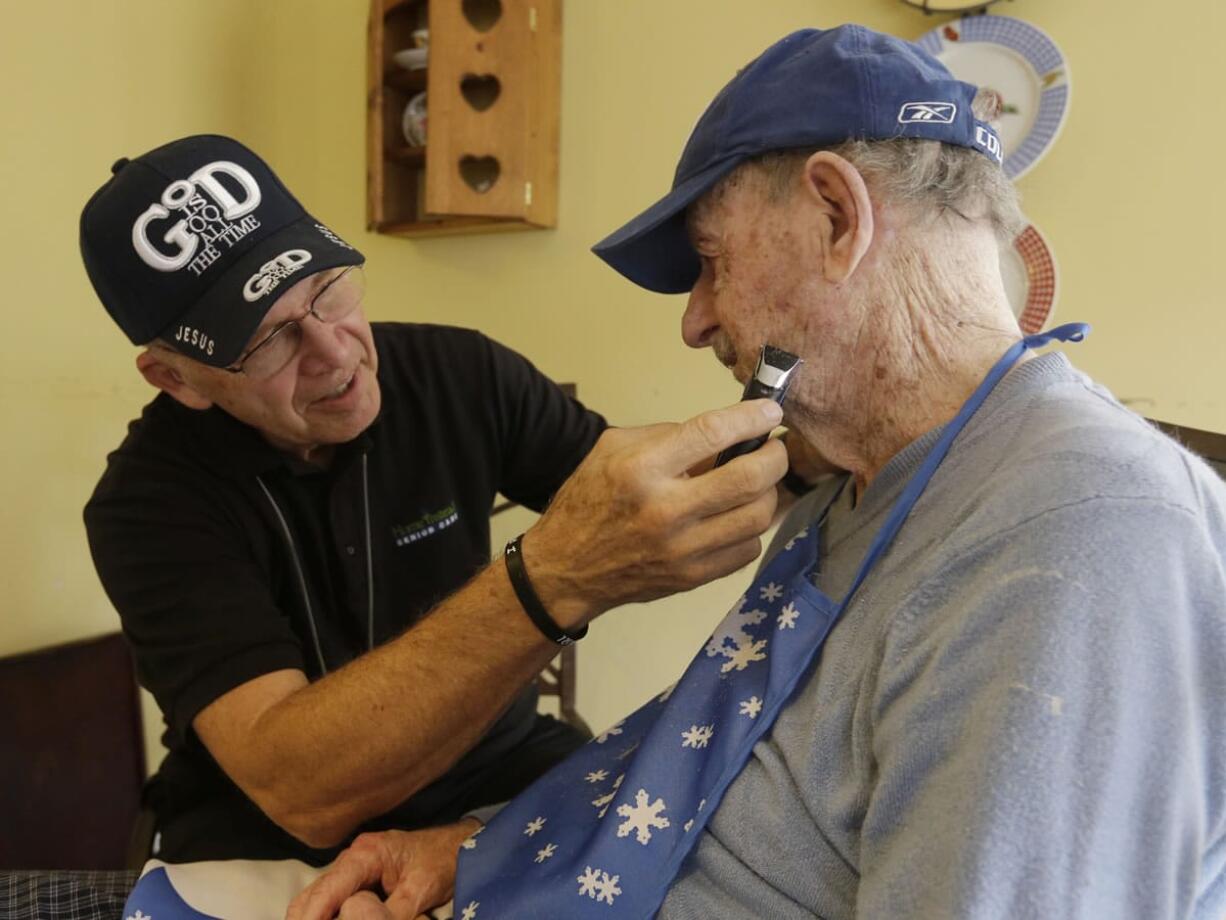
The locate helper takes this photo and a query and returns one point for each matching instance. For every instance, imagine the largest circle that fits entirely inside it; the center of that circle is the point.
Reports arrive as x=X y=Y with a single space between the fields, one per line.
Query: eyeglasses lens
x=339 y=298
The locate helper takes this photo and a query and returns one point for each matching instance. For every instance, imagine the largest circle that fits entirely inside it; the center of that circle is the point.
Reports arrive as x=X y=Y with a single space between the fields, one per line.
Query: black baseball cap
x=194 y=242
x=813 y=88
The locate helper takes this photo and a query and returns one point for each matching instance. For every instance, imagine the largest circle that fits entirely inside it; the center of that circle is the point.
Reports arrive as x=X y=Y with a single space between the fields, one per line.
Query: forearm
x=629 y=525
x=366 y=737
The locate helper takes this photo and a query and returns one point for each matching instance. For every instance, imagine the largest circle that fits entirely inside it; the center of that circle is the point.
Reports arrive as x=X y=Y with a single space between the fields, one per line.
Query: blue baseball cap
x=814 y=88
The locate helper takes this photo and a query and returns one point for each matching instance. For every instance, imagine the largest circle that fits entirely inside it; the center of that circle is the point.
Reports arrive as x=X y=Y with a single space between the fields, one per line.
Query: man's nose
x=323 y=345
x=698 y=323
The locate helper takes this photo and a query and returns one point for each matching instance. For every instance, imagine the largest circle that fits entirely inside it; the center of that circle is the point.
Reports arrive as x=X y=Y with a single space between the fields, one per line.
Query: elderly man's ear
x=838 y=190
x=157 y=367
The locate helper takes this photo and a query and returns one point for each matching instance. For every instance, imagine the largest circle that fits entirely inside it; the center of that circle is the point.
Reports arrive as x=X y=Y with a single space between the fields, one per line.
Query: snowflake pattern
x=544 y=854
x=140 y=916
x=730 y=635
x=470 y=842
x=534 y=826
x=751 y=707
x=597 y=776
x=641 y=817
x=800 y=535
x=697 y=736
x=744 y=657
x=598 y=885
x=602 y=803
x=771 y=592
x=470 y=912
x=688 y=825
x=787 y=618
x=668 y=691
x=610 y=732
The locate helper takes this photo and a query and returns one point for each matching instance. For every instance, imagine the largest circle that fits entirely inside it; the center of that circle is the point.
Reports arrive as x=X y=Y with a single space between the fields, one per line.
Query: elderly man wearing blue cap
x=978 y=675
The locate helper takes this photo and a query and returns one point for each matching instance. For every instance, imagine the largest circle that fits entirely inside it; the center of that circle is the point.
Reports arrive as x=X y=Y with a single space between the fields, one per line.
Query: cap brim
x=653 y=250
x=218 y=326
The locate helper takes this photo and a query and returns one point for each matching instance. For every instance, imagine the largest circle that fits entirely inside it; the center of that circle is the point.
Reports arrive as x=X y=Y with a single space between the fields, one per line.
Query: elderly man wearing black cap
x=980 y=674
x=306 y=487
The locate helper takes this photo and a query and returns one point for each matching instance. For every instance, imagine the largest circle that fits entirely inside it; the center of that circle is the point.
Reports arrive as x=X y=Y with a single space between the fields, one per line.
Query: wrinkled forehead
x=732 y=194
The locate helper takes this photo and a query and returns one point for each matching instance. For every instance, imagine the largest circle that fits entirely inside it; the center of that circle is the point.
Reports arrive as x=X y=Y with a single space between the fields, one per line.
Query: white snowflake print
x=602 y=803
x=668 y=691
x=608 y=888
x=800 y=535
x=549 y=850
x=688 y=825
x=751 y=707
x=730 y=635
x=702 y=804
x=641 y=817
x=140 y=916
x=470 y=912
x=772 y=592
x=470 y=842
x=533 y=826
x=787 y=618
x=598 y=885
x=597 y=776
x=588 y=881
x=610 y=732
x=744 y=657
x=697 y=736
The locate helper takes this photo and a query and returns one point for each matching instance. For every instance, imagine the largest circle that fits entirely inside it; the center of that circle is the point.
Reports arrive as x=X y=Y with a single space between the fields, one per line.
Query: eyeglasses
x=338 y=298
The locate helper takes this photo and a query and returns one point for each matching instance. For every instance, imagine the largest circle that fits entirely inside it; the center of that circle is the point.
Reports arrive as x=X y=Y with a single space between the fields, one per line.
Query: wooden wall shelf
x=490 y=161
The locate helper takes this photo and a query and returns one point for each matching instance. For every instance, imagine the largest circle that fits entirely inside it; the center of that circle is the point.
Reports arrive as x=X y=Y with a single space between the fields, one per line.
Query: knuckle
x=762 y=514
x=709 y=429
x=742 y=478
x=362 y=844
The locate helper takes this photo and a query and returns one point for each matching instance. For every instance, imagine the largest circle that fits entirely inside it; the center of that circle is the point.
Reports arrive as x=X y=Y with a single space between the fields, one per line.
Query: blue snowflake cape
x=604 y=833
x=155 y=898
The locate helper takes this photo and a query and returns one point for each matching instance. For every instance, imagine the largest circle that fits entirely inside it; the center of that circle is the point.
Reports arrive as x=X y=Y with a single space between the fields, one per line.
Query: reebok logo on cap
x=935 y=113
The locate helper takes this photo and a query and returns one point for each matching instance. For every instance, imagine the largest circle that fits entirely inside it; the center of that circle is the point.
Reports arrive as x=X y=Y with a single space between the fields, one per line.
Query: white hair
x=932 y=179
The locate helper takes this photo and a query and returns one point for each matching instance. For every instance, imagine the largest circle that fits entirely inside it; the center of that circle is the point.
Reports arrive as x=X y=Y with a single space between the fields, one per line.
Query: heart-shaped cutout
x=481 y=91
x=480 y=172
x=482 y=15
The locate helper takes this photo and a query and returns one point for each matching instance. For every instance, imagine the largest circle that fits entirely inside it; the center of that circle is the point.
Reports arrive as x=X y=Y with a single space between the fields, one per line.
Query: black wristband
x=530 y=602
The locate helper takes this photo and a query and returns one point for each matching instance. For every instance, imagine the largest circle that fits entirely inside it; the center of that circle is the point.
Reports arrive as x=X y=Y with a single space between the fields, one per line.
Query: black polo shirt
x=188 y=530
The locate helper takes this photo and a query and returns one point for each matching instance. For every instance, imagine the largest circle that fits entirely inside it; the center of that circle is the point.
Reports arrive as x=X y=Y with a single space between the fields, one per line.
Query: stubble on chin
x=724 y=352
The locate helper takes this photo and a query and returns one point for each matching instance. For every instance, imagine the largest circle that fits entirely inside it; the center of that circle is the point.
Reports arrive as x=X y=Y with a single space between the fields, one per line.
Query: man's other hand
x=392 y=874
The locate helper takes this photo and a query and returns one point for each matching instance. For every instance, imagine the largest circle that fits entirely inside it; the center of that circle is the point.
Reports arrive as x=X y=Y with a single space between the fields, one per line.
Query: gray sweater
x=1023 y=711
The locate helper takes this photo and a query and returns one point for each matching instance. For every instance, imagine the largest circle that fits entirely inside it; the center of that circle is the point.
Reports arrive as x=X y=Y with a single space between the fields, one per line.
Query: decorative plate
x=1021 y=63
x=1031 y=281
x=948 y=6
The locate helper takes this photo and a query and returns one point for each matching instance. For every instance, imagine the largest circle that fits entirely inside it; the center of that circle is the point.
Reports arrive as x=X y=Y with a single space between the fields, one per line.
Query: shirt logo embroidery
x=425 y=526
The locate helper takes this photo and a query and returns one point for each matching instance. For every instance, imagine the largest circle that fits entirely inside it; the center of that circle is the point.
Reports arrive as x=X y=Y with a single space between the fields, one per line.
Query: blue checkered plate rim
x=1009 y=49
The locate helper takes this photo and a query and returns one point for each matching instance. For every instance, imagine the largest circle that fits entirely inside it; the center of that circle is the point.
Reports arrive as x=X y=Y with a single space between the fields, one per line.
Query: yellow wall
x=1131 y=199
